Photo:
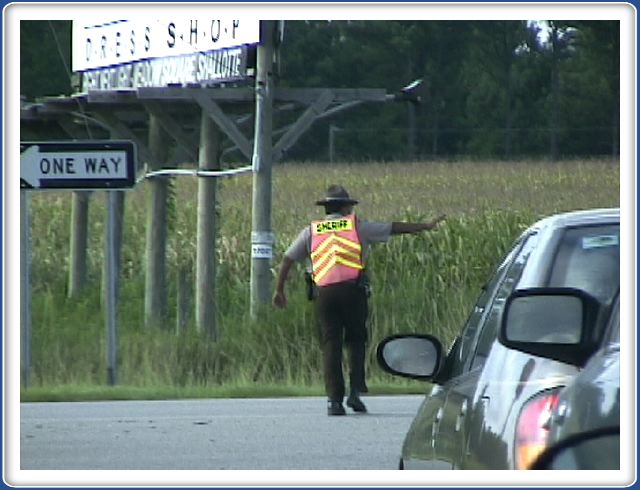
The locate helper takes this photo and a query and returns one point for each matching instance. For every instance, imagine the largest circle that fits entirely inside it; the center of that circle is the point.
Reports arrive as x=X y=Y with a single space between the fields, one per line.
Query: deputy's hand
x=280 y=299
x=437 y=221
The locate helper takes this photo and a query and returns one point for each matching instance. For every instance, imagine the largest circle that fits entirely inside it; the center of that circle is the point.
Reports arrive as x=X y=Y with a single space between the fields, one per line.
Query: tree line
x=493 y=89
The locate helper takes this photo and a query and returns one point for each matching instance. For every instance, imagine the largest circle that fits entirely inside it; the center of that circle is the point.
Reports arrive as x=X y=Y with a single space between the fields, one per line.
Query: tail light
x=532 y=428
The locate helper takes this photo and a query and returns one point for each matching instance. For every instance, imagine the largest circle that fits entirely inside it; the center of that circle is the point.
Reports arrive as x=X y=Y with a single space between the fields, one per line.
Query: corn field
x=421 y=283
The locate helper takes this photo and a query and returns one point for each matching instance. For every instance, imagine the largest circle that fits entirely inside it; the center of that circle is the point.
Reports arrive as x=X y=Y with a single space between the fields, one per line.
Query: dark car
x=490 y=399
x=595 y=449
x=584 y=426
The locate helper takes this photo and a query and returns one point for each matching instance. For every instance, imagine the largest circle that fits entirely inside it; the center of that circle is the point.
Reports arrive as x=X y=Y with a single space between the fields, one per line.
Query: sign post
x=110 y=294
x=25 y=286
x=64 y=165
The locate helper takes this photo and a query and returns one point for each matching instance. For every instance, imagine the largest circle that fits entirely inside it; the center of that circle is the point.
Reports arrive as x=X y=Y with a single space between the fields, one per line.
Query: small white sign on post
x=262 y=244
x=261 y=251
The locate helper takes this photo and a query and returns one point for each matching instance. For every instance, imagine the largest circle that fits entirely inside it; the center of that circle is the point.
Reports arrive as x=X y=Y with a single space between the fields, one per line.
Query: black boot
x=355 y=403
x=335 y=408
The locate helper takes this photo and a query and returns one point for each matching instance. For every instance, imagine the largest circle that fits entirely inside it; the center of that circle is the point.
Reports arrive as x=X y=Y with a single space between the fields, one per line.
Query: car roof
x=578 y=218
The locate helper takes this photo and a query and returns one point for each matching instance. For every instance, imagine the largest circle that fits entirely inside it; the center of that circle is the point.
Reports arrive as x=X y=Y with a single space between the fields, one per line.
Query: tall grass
x=424 y=283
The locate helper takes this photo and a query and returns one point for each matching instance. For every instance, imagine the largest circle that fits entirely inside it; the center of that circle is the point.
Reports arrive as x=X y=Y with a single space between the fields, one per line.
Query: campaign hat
x=336 y=194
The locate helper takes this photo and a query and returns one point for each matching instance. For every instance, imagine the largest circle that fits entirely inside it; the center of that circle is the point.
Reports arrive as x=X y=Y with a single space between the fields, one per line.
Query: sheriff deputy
x=337 y=247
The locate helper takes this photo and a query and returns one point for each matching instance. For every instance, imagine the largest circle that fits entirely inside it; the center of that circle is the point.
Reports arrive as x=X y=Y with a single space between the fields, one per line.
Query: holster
x=311 y=286
x=363 y=282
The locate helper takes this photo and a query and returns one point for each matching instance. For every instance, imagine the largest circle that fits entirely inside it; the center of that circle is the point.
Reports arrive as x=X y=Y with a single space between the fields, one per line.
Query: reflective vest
x=336 y=251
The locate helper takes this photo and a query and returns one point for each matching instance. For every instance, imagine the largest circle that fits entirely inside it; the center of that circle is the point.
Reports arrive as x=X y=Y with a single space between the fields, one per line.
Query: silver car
x=535 y=324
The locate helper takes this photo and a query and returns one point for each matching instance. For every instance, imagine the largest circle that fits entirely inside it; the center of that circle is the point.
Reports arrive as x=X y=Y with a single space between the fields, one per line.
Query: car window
x=588 y=258
x=506 y=287
x=463 y=345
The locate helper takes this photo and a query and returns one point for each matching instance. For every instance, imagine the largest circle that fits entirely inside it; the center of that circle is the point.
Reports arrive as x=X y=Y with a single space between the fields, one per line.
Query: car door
x=419 y=446
x=464 y=408
x=419 y=449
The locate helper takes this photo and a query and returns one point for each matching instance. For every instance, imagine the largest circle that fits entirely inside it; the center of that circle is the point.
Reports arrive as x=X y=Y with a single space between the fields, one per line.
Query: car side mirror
x=414 y=356
x=555 y=323
x=597 y=449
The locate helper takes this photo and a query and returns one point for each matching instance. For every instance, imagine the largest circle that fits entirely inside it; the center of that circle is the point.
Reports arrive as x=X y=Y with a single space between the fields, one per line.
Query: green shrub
x=423 y=283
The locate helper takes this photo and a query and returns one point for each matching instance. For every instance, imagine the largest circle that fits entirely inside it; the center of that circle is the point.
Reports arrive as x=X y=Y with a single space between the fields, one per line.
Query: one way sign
x=77 y=165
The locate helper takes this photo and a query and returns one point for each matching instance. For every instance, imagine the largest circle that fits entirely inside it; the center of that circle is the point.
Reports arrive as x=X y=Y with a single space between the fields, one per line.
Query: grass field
x=425 y=283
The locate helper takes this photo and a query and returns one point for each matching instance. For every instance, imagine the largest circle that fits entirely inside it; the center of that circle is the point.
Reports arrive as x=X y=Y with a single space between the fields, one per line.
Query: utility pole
x=332 y=142
x=413 y=94
x=261 y=234
x=412 y=130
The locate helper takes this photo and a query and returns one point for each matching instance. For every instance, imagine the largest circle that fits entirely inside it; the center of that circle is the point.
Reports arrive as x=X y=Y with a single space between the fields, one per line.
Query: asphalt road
x=216 y=434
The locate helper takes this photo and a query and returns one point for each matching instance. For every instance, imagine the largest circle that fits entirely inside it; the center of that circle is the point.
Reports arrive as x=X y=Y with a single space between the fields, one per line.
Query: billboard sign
x=99 y=45
x=224 y=65
x=125 y=54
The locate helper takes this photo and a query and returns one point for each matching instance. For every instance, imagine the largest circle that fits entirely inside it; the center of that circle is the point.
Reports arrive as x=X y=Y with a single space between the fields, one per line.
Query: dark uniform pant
x=342 y=315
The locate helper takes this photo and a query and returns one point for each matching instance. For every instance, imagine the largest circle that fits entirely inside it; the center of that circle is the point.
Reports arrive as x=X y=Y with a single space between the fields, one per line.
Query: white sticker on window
x=600 y=241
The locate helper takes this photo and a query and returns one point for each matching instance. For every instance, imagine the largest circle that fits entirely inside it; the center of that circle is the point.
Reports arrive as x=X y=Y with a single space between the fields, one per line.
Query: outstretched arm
x=280 y=298
x=400 y=227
